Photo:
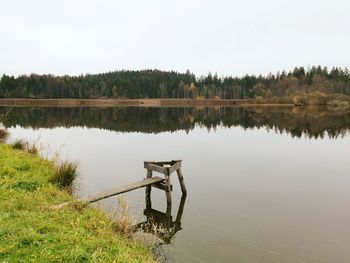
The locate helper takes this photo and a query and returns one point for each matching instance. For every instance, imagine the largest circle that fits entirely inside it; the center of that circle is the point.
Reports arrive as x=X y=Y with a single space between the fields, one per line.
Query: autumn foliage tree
x=161 y=84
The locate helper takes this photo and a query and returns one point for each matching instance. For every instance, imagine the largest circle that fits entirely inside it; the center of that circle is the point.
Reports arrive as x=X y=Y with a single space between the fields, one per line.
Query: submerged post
x=168 y=188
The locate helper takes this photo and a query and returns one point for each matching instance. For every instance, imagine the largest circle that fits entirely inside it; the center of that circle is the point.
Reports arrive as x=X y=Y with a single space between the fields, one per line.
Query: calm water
x=267 y=185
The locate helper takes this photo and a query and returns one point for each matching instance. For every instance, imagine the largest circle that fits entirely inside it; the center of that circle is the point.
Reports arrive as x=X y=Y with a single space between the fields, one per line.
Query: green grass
x=31 y=231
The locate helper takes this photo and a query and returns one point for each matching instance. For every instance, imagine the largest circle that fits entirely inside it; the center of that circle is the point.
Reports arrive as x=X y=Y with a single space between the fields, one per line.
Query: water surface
x=264 y=185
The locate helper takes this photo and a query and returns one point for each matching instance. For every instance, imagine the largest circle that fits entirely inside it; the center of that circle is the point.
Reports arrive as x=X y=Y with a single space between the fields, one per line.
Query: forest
x=163 y=84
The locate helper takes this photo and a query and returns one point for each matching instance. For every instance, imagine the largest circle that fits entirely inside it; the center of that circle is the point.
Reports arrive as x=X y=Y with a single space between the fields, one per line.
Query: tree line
x=142 y=84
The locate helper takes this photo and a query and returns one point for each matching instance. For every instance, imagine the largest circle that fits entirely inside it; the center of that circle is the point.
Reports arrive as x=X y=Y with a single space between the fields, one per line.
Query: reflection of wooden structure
x=161 y=224
x=165 y=168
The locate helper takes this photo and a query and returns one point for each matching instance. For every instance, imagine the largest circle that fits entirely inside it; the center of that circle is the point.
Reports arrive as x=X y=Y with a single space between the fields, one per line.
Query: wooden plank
x=174 y=167
x=162 y=186
x=123 y=189
x=159 y=163
x=164 y=162
x=156 y=168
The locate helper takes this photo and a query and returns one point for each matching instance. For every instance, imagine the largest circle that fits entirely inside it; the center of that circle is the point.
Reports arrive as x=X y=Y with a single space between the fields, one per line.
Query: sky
x=227 y=37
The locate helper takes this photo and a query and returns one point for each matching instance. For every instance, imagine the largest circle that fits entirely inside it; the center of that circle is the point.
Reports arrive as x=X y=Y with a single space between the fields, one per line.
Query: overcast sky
x=224 y=36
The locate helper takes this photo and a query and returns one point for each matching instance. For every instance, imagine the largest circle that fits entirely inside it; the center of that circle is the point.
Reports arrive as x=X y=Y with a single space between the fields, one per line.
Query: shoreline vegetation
x=314 y=99
x=133 y=102
x=31 y=231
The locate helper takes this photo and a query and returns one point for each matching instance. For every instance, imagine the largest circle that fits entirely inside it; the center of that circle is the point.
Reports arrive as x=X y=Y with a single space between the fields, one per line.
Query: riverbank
x=30 y=231
x=136 y=103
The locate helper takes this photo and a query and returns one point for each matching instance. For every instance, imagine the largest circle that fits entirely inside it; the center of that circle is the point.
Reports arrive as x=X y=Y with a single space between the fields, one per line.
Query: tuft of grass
x=18 y=144
x=32 y=148
x=4 y=134
x=32 y=232
x=124 y=218
x=64 y=174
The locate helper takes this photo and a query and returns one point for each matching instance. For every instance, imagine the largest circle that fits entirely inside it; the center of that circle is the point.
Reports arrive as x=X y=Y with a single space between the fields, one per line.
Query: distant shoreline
x=137 y=103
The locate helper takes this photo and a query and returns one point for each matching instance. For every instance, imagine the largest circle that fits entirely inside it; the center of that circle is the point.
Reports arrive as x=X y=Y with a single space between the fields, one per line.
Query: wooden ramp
x=123 y=189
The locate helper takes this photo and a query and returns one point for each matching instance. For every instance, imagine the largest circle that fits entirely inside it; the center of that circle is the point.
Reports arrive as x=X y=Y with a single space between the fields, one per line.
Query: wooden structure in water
x=158 y=223
x=166 y=168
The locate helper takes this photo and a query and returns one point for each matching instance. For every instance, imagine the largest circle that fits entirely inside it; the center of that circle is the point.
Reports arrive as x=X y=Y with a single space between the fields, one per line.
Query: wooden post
x=168 y=190
x=168 y=210
x=148 y=188
x=148 y=202
x=181 y=180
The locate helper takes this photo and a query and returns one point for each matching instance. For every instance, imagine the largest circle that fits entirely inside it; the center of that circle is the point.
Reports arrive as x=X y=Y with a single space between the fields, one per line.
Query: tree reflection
x=312 y=122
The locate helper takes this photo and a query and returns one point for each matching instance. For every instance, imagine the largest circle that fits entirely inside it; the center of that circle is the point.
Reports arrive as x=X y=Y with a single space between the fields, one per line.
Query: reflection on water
x=277 y=194
x=313 y=122
x=162 y=224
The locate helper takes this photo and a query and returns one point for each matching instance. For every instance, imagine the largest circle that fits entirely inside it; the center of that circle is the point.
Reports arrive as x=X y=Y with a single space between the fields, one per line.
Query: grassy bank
x=314 y=98
x=30 y=231
x=295 y=98
x=126 y=102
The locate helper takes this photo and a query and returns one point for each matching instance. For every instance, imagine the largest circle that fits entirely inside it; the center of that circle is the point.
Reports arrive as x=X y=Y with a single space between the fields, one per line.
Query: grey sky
x=223 y=36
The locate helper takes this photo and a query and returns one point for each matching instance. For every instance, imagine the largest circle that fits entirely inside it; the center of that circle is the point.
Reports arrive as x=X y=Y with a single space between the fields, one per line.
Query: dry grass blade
x=124 y=218
x=32 y=148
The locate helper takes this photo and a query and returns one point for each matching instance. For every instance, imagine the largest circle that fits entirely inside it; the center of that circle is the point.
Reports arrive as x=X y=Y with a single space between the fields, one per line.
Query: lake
x=264 y=184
